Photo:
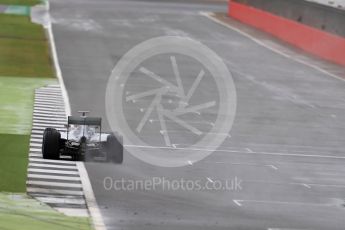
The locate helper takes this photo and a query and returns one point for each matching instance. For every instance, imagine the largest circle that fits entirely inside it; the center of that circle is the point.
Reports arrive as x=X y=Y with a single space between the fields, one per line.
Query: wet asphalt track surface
x=287 y=141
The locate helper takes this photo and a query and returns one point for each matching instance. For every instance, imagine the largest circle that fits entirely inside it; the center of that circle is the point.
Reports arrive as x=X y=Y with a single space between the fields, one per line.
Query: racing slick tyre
x=114 y=147
x=51 y=144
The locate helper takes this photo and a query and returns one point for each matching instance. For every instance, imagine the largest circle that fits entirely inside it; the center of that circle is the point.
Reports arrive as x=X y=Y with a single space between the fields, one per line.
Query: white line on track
x=240 y=203
x=241 y=152
x=90 y=198
x=211 y=17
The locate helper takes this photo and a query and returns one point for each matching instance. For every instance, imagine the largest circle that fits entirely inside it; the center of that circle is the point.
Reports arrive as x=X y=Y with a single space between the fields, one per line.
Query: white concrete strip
x=52 y=124
x=74 y=212
x=41 y=112
x=52 y=121
x=90 y=198
x=43 y=90
x=55 y=200
x=55 y=191
x=59 y=172
x=38 y=145
x=53 y=166
x=52 y=161
x=263 y=44
x=35 y=136
x=48 y=90
x=35 y=150
x=48 y=101
x=35 y=154
x=37 y=132
x=51 y=106
x=39 y=140
x=48 y=93
x=49 y=115
x=51 y=177
x=52 y=184
x=49 y=109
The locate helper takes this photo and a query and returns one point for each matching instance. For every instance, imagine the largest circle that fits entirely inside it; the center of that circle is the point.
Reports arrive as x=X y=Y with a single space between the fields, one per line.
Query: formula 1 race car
x=83 y=140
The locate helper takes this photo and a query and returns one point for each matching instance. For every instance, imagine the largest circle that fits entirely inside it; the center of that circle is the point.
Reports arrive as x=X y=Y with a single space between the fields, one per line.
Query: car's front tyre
x=51 y=144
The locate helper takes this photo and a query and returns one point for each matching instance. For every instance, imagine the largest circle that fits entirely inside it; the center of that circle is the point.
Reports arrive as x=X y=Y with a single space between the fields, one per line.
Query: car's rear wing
x=96 y=121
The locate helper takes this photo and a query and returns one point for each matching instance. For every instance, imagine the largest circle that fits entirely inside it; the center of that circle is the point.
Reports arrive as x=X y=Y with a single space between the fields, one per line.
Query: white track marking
x=52 y=171
x=52 y=166
x=211 y=17
x=90 y=198
x=50 y=177
x=55 y=191
x=282 y=203
x=54 y=200
x=306 y=185
x=209 y=179
x=74 y=212
x=237 y=202
x=272 y=166
x=56 y=184
x=249 y=150
x=327 y=185
x=241 y=152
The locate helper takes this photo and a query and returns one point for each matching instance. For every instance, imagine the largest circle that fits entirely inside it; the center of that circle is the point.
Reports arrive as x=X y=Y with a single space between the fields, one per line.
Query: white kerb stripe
x=54 y=191
x=55 y=200
x=59 y=172
x=56 y=184
x=53 y=166
x=51 y=177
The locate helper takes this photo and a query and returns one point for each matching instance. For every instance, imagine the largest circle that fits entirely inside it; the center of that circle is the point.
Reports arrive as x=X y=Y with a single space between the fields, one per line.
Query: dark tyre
x=114 y=148
x=51 y=144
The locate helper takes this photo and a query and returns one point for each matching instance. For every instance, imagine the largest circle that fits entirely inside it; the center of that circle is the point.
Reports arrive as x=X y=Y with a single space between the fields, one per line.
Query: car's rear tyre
x=114 y=147
x=51 y=144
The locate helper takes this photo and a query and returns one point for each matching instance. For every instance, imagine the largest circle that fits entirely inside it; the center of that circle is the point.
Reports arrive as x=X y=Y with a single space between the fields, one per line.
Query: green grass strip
x=18 y=10
x=16 y=103
x=24 y=50
x=14 y=161
x=20 y=2
x=18 y=211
